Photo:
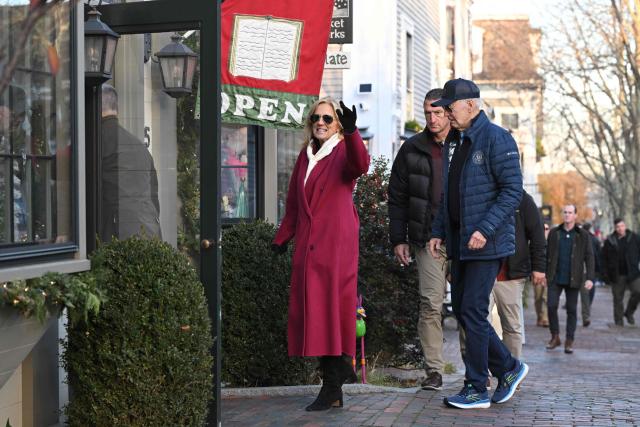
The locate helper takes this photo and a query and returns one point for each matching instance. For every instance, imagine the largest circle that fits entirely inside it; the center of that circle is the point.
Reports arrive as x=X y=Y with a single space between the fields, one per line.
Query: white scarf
x=326 y=149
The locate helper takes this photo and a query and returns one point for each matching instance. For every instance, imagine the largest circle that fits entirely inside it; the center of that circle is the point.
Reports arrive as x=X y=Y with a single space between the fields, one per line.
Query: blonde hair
x=308 y=126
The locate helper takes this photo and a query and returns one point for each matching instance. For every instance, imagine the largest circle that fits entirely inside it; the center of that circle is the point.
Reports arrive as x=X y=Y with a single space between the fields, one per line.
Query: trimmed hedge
x=144 y=360
x=255 y=295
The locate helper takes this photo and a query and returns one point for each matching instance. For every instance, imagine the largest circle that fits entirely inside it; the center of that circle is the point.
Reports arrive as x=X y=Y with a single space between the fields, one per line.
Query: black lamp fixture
x=100 y=43
x=177 y=66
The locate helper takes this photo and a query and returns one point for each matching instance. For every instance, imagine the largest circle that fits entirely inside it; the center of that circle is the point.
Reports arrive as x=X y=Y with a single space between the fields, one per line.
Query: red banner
x=273 y=55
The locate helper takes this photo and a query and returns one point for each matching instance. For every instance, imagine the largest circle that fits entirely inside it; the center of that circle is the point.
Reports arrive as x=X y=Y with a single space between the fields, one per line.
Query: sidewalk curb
x=310 y=390
x=305 y=390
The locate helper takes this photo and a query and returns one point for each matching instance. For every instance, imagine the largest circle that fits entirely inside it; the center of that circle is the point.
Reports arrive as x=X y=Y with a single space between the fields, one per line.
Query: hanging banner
x=273 y=55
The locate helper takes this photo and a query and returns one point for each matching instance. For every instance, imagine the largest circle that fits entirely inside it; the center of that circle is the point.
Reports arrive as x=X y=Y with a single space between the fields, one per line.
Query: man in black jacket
x=414 y=195
x=130 y=202
x=570 y=266
x=529 y=260
x=586 y=296
x=621 y=255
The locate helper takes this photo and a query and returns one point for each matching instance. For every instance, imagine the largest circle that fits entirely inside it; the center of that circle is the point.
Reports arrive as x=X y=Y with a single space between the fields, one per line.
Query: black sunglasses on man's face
x=448 y=108
x=325 y=118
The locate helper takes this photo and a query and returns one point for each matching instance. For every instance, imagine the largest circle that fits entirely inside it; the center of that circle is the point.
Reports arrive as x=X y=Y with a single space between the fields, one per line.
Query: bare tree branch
x=37 y=10
x=593 y=68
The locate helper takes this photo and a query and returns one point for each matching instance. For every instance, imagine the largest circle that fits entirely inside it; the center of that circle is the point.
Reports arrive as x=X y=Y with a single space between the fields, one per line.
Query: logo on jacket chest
x=477 y=157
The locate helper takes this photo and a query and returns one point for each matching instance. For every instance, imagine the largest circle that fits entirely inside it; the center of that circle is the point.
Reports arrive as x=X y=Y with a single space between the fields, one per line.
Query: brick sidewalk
x=593 y=386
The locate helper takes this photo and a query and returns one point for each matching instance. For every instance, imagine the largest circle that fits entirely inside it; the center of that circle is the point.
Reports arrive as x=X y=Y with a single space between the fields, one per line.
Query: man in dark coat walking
x=570 y=266
x=414 y=196
x=621 y=259
x=482 y=188
x=587 y=295
x=129 y=182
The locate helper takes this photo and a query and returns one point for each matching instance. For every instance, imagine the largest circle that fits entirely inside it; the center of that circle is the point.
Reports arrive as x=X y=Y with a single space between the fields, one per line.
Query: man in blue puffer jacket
x=482 y=188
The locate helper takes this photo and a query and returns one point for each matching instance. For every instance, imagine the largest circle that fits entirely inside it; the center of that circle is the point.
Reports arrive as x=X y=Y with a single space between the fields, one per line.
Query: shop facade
x=81 y=161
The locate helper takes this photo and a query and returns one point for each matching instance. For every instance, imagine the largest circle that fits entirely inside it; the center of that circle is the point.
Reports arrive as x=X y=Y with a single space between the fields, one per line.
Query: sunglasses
x=448 y=108
x=325 y=118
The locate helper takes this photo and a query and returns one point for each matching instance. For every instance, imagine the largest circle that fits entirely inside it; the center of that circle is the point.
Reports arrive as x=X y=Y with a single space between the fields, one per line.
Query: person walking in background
x=414 y=197
x=529 y=260
x=621 y=258
x=570 y=266
x=130 y=202
x=322 y=218
x=587 y=295
x=540 y=294
x=482 y=188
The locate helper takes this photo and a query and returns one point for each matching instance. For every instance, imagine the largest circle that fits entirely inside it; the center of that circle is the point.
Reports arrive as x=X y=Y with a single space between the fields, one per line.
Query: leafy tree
x=559 y=189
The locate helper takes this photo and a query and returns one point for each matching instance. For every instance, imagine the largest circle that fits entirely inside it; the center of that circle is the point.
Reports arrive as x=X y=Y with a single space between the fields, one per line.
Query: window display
x=36 y=197
x=238 y=174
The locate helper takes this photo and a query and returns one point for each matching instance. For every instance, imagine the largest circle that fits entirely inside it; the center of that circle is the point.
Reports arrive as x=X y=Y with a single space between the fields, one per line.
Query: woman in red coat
x=322 y=218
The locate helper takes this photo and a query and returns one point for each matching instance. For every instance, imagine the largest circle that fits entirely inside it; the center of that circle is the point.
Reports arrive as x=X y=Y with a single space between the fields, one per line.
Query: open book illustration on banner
x=264 y=47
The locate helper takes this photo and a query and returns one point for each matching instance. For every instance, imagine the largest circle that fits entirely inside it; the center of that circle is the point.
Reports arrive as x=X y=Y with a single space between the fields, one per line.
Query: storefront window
x=36 y=197
x=289 y=145
x=238 y=182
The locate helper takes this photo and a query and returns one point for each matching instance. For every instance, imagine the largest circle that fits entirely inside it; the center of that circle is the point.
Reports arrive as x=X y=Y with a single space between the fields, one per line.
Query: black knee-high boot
x=331 y=392
x=347 y=375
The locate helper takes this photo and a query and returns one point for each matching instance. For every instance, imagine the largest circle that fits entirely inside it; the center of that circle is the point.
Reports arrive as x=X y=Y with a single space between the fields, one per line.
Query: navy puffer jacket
x=490 y=191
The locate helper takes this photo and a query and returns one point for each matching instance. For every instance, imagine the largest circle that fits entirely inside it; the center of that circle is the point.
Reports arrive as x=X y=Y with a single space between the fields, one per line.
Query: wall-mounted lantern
x=100 y=43
x=177 y=66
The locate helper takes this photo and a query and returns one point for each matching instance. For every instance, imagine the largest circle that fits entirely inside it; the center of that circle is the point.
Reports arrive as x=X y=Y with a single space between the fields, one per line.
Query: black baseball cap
x=455 y=90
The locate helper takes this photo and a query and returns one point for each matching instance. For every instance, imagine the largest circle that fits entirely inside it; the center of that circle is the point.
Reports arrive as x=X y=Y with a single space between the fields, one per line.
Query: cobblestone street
x=593 y=386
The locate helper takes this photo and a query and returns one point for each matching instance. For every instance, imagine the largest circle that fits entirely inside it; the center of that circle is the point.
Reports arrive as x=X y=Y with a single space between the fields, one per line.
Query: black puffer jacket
x=530 y=242
x=411 y=204
x=610 y=257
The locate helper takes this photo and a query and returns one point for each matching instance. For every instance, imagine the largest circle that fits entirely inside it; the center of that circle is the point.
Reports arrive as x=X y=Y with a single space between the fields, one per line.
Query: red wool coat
x=323 y=220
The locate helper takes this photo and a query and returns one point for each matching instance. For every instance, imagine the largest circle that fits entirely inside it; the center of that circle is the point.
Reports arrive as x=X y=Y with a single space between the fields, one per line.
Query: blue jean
x=472 y=282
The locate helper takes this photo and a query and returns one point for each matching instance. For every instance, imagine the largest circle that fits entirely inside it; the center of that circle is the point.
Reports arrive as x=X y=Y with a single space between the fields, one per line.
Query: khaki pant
x=507 y=296
x=585 y=303
x=432 y=278
x=540 y=298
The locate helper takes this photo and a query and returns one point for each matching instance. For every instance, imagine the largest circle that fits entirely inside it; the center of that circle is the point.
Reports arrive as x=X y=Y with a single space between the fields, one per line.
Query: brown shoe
x=554 y=342
x=432 y=382
x=545 y=323
x=568 y=346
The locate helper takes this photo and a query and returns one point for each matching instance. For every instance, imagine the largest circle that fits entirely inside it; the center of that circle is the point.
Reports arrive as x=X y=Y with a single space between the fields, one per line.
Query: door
x=154 y=165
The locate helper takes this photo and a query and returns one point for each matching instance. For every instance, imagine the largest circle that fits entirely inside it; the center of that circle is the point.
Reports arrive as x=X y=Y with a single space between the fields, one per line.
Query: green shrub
x=413 y=125
x=255 y=295
x=390 y=292
x=52 y=293
x=144 y=360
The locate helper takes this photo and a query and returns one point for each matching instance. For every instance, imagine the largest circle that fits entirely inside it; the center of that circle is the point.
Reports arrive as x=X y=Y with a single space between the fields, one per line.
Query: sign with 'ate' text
x=273 y=54
x=338 y=60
